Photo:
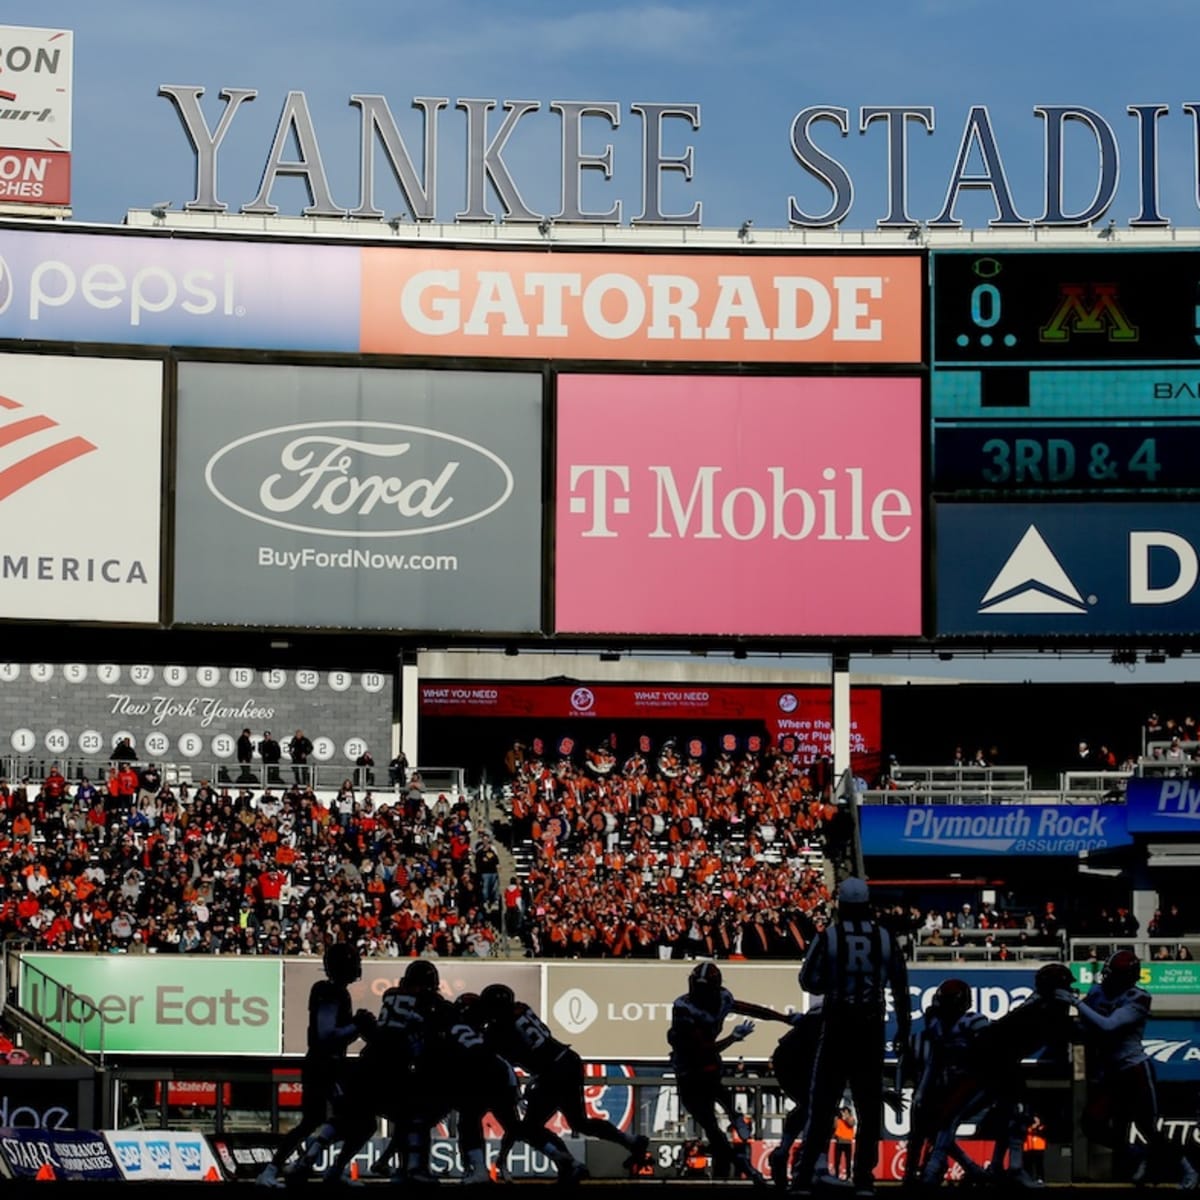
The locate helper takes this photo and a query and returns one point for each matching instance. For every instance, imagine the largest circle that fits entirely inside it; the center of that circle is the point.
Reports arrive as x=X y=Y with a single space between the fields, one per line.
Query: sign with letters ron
x=358 y=499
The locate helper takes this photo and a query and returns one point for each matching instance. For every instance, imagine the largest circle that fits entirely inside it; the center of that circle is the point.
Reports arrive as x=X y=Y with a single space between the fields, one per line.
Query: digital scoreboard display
x=1065 y=372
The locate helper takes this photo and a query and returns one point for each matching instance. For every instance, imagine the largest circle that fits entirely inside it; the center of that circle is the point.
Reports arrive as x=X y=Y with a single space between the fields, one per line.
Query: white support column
x=409 y=708
x=841 y=714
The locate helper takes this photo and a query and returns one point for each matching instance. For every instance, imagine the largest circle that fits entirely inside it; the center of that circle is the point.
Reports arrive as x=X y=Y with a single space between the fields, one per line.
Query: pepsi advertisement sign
x=178 y=292
x=1071 y=570
x=1169 y=805
x=955 y=830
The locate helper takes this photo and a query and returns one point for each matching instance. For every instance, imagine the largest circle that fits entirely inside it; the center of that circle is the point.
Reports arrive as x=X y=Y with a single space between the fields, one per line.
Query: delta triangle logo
x=1032 y=582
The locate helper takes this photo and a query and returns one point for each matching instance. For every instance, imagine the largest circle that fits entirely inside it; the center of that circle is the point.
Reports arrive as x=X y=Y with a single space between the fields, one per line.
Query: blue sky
x=751 y=68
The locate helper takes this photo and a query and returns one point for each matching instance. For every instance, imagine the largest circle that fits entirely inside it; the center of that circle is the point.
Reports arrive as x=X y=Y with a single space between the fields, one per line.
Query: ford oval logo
x=359 y=479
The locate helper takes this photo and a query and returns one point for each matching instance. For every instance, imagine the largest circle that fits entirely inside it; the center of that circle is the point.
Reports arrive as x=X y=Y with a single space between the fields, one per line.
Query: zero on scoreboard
x=1065 y=371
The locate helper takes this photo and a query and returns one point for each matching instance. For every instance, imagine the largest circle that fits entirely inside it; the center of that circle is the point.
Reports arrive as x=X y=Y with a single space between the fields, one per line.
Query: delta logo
x=33 y=445
x=1033 y=582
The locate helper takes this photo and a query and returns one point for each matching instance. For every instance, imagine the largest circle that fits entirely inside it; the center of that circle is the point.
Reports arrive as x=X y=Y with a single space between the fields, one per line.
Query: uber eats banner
x=157 y=1004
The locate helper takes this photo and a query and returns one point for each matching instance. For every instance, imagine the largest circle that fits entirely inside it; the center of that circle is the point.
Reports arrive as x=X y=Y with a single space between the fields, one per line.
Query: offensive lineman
x=696 y=1047
x=1121 y=1076
x=521 y=1037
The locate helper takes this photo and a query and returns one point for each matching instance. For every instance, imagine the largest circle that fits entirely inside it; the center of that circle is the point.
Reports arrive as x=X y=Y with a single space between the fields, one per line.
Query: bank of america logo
x=1032 y=582
x=31 y=447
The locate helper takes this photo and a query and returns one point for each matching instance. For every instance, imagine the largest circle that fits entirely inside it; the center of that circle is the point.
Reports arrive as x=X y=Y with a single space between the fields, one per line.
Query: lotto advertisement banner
x=804 y=714
x=733 y=506
x=642 y=307
x=360 y=499
x=80 y=487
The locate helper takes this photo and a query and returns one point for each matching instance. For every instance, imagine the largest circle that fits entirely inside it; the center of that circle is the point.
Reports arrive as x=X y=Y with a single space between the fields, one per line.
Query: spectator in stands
x=123 y=751
x=270 y=752
x=245 y=755
x=398 y=771
x=299 y=748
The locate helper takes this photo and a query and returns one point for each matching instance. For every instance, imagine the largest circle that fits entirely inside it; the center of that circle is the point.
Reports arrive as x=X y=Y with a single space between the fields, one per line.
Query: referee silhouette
x=850 y=963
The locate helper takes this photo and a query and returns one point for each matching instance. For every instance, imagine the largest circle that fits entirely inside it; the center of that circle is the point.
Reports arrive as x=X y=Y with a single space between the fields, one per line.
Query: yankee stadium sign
x=295 y=152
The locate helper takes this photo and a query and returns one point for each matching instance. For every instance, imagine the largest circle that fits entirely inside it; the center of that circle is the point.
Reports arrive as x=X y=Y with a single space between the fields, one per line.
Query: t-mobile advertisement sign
x=769 y=507
x=346 y=498
x=80 y=488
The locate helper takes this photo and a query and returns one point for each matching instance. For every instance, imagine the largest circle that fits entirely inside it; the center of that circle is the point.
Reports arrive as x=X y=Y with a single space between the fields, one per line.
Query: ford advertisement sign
x=955 y=830
x=358 y=498
x=1072 y=570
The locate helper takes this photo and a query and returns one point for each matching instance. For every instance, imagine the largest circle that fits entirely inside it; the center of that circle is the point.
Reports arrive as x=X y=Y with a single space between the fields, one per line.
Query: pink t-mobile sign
x=727 y=506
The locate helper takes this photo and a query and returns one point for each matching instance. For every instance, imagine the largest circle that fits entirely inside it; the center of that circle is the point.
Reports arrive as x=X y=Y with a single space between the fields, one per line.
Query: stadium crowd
x=667 y=855
x=134 y=865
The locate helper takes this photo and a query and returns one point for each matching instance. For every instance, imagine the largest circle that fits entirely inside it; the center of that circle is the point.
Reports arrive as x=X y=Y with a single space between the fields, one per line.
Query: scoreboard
x=1065 y=373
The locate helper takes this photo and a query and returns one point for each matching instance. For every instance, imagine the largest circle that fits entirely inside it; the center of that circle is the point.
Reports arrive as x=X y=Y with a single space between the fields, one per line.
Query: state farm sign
x=771 y=507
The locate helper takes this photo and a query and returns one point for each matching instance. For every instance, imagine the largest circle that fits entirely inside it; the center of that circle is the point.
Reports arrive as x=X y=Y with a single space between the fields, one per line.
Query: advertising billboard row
x=390 y=498
x=148 y=290
x=618 y=1011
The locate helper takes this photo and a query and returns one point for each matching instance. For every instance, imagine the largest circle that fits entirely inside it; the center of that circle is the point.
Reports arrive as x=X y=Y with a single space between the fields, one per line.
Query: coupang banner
x=756 y=507
x=804 y=714
x=347 y=498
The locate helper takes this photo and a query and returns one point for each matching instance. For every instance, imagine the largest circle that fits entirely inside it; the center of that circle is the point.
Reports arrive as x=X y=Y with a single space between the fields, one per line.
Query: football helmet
x=952 y=999
x=342 y=962
x=1120 y=972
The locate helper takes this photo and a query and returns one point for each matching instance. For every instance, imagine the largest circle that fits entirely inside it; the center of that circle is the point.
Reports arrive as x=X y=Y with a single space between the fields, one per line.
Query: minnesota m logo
x=1075 y=315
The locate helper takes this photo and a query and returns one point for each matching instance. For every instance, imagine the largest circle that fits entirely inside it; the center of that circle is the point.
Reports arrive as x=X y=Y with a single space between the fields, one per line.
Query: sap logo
x=129 y=1155
x=189 y=1155
x=1033 y=582
x=159 y=1154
